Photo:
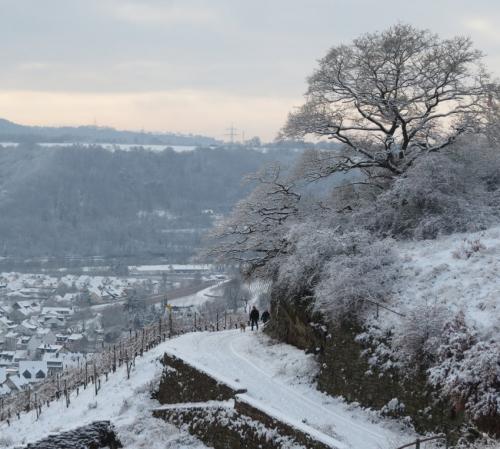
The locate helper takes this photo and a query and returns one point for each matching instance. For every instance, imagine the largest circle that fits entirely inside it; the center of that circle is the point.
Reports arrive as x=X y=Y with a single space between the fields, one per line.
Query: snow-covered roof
x=18 y=381
x=57 y=310
x=4 y=390
x=49 y=348
x=75 y=337
x=33 y=370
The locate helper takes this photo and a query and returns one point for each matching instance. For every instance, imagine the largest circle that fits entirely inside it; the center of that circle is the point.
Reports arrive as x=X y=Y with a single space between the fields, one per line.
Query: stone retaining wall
x=97 y=435
x=212 y=411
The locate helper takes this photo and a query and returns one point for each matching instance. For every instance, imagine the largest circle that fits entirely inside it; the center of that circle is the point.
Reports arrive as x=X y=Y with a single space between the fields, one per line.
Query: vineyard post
x=95 y=379
x=170 y=323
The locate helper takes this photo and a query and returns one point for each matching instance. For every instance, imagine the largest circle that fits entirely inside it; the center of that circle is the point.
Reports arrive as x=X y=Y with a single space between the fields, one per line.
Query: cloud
x=484 y=27
x=166 y=13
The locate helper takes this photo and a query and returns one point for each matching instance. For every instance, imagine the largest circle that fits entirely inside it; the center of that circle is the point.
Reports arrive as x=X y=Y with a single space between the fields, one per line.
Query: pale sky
x=192 y=65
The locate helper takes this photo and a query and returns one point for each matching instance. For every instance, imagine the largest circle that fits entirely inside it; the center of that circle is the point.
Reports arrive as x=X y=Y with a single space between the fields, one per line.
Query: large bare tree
x=390 y=97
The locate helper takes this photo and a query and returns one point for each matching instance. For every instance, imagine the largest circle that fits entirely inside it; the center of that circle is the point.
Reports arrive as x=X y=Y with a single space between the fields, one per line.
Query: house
x=20 y=355
x=21 y=310
x=22 y=342
x=27 y=327
x=17 y=383
x=33 y=371
x=47 y=349
x=61 y=339
x=10 y=341
x=60 y=361
x=7 y=358
x=53 y=321
x=4 y=390
x=58 y=311
x=6 y=325
x=43 y=336
x=77 y=343
x=54 y=366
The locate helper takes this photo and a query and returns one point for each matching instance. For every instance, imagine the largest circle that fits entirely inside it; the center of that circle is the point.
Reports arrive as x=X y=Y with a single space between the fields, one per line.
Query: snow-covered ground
x=459 y=272
x=126 y=403
x=199 y=298
x=276 y=376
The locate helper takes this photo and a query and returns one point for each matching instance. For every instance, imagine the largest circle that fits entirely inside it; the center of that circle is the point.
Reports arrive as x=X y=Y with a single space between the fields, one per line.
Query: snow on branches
x=390 y=97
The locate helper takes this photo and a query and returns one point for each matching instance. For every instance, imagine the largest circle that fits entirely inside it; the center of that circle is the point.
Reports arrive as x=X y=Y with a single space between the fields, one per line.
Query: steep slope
x=126 y=402
x=79 y=201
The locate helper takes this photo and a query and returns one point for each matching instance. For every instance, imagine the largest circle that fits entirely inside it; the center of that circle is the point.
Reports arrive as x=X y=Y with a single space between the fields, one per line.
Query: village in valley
x=53 y=322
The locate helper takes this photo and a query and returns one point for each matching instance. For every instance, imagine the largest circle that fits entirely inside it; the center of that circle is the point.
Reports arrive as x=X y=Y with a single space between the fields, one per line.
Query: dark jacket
x=254 y=315
x=265 y=316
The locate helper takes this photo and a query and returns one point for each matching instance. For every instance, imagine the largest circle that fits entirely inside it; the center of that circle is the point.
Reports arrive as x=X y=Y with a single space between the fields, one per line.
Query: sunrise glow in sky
x=192 y=65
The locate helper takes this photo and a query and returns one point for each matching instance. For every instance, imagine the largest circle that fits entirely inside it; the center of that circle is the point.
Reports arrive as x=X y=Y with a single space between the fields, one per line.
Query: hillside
x=457 y=272
x=13 y=132
x=74 y=201
x=277 y=376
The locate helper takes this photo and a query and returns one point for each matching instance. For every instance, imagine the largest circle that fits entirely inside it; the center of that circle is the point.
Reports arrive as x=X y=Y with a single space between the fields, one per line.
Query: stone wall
x=224 y=427
x=183 y=383
x=346 y=372
x=246 y=409
x=212 y=411
x=97 y=435
x=344 y=369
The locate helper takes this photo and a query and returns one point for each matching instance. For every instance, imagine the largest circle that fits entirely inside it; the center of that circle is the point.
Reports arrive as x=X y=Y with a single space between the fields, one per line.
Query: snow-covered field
x=199 y=298
x=277 y=377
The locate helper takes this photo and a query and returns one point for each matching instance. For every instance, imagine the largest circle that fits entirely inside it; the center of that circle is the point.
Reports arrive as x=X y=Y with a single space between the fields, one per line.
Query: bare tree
x=390 y=97
x=253 y=233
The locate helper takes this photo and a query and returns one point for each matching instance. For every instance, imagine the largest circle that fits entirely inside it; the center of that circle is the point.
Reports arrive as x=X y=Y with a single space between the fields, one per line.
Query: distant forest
x=13 y=132
x=76 y=201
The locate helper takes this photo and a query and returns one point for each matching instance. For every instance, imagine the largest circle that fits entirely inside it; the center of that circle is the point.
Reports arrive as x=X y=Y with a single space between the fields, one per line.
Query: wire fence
x=99 y=366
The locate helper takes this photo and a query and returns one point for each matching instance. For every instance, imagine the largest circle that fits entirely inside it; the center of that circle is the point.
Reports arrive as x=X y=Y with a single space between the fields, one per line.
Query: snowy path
x=277 y=376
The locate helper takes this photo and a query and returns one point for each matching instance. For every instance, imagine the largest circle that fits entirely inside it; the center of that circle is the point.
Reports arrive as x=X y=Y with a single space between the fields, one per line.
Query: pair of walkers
x=255 y=315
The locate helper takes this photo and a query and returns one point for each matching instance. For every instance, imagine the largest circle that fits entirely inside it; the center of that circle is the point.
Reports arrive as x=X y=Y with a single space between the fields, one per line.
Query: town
x=50 y=323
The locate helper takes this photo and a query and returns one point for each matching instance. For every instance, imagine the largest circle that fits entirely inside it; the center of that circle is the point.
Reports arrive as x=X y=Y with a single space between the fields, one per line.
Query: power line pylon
x=231 y=133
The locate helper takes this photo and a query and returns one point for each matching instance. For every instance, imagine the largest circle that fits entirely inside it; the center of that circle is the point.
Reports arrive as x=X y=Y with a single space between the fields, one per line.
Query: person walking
x=254 y=317
x=265 y=316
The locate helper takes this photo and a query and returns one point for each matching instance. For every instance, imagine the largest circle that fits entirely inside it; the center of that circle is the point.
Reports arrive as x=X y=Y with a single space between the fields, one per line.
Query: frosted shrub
x=310 y=248
x=467 y=370
x=349 y=279
x=5 y=441
x=468 y=248
x=418 y=335
x=440 y=194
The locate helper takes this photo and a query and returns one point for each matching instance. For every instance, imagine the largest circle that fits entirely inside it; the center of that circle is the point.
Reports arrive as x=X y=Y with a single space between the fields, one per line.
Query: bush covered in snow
x=440 y=194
